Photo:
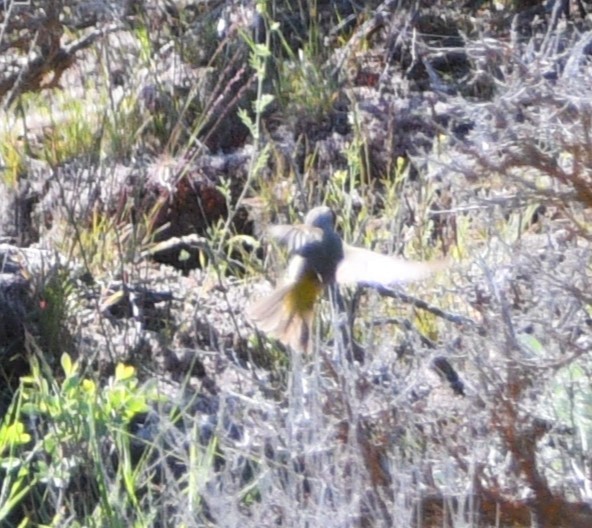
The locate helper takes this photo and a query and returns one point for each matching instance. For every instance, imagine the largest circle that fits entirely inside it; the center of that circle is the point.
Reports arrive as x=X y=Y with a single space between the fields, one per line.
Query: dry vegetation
x=144 y=146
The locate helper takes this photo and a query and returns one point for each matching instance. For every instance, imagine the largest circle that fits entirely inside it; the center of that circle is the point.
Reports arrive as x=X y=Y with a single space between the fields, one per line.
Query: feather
x=365 y=267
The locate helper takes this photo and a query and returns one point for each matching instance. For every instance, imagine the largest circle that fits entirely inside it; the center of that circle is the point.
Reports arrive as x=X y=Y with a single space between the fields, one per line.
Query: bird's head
x=321 y=217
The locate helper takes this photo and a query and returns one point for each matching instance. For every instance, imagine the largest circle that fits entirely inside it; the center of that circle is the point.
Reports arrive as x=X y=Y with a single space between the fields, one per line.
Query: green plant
x=56 y=437
x=16 y=482
x=53 y=302
x=12 y=159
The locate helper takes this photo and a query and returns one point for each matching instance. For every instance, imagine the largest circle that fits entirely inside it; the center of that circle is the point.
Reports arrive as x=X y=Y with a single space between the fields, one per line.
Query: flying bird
x=320 y=259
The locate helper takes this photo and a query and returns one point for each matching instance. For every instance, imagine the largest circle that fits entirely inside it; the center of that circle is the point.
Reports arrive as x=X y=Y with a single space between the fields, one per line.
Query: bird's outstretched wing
x=295 y=237
x=362 y=266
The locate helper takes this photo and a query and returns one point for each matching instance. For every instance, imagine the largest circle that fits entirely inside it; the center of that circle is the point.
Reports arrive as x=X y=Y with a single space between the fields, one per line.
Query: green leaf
x=137 y=405
x=10 y=463
x=67 y=365
x=13 y=434
x=531 y=344
x=124 y=372
x=259 y=105
x=261 y=51
x=89 y=386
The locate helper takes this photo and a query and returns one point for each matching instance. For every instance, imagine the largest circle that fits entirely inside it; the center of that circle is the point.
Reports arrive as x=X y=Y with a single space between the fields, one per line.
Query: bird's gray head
x=321 y=217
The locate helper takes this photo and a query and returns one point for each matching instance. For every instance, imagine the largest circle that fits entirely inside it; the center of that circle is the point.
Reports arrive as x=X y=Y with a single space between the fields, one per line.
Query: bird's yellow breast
x=303 y=294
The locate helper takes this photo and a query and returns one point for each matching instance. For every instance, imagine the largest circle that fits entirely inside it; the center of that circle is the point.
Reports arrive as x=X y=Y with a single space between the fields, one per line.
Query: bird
x=320 y=259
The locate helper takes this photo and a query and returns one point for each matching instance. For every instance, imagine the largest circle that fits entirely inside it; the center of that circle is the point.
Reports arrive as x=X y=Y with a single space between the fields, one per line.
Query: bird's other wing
x=295 y=237
x=362 y=266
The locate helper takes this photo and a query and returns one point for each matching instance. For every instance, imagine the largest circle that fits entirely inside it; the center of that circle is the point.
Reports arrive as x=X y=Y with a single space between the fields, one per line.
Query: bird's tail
x=287 y=314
